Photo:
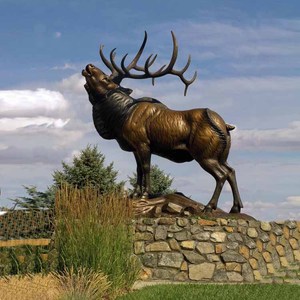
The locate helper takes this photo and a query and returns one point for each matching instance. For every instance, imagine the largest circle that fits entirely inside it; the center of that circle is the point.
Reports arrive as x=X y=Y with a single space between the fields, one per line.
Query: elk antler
x=118 y=74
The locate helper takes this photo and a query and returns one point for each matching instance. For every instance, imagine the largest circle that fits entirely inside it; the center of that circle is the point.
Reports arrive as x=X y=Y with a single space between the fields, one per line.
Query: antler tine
x=105 y=61
x=115 y=71
x=148 y=63
x=188 y=82
x=161 y=72
x=180 y=75
x=138 y=55
x=187 y=65
x=119 y=74
x=133 y=64
x=112 y=57
x=142 y=69
x=123 y=64
x=169 y=69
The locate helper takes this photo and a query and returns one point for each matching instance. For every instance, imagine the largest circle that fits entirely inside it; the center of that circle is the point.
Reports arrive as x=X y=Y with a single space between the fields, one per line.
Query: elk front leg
x=139 y=178
x=144 y=157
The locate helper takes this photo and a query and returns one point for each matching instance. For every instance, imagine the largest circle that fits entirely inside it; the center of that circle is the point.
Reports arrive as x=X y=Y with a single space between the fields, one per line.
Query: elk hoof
x=207 y=209
x=235 y=209
x=145 y=195
x=135 y=195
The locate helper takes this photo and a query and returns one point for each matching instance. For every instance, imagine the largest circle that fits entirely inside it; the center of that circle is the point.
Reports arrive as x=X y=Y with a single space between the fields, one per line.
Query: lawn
x=216 y=292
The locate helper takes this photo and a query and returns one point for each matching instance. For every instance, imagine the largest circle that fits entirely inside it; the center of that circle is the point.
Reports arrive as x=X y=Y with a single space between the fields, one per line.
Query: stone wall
x=192 y=249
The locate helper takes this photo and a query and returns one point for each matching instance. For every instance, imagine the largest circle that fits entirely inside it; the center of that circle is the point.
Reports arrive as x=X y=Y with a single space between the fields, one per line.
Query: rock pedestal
x=191 y=248
x=178 y=205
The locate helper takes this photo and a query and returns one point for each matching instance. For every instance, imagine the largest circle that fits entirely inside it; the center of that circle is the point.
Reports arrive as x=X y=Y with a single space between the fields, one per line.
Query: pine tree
x=36 y=199
x=160 y=182
x=86 y=169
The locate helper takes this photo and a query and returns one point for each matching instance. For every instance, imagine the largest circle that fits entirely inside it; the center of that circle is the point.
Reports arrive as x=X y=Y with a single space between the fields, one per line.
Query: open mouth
x=87 y=72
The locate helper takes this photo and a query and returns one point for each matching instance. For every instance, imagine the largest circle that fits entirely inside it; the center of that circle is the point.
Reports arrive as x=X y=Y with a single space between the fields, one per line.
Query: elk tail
x=222 y=135
x=229 y=127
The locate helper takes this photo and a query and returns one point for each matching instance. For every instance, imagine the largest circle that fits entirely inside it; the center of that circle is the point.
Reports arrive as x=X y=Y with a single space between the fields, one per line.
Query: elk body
x=145 y=126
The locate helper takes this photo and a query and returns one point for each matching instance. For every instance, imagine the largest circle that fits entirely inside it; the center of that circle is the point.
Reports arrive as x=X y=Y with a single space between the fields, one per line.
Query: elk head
x=101 y=82
x=97 y=81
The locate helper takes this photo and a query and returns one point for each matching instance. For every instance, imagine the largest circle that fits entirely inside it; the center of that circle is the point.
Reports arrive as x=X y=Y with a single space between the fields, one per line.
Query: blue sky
x=247 y=57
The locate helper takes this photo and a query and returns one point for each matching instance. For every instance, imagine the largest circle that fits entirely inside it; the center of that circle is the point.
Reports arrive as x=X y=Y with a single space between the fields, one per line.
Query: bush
x=160 y=182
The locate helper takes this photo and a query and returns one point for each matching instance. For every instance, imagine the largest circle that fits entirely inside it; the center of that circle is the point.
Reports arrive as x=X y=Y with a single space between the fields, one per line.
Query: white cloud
x=241 y=40
x=292 y=201
x=273 y=139
x=267 y=210
x=66 y=66
x=57 y=34
x=74 y=83
x=37 y=154
x=270 y=46
x=11 y=124
x=242 y=85
x=28 y=103
x=37 y=126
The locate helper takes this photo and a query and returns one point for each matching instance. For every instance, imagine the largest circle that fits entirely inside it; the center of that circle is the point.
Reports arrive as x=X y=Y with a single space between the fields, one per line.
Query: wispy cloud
x=283 y=139
x=73 y=83
x=66 y=66
x=57 y=34
x=12 y=124
x=291 y=201
x=269 y=45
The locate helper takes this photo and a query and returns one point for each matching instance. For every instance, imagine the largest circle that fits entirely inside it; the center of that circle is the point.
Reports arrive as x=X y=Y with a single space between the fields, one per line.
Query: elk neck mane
x=110 y=112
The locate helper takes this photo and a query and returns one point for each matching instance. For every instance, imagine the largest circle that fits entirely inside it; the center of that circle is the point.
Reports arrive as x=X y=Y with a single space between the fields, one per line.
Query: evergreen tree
x=86 y=169
x=160 y=182
x=36 y=199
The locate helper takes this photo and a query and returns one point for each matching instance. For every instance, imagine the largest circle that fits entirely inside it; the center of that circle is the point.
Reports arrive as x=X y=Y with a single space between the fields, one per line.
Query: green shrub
x=27 y=260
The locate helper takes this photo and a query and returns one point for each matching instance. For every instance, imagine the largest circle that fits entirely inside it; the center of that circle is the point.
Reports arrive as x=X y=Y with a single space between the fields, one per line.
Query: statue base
x=178 y=204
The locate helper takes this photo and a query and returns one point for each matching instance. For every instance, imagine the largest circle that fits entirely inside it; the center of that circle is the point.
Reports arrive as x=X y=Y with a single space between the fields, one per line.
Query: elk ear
x=126 y=90
x=87 y=88
x=91 y=98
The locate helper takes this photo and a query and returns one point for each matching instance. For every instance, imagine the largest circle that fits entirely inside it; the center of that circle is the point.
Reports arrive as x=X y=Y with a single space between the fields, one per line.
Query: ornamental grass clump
x=93 y=231
x=84 y=284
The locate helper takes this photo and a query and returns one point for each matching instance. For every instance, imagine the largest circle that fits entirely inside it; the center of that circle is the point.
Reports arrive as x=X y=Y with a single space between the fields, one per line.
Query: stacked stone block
x=221 y=250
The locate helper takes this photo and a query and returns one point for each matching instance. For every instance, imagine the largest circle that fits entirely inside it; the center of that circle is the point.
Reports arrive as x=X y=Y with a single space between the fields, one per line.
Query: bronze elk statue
x=145 y=126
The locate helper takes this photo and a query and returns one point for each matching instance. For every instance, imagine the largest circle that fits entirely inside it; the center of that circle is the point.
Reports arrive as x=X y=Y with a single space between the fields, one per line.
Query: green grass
x=216 y=292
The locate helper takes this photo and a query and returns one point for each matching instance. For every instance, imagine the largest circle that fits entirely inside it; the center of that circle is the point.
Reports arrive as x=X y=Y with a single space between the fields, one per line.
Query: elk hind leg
x=237 y=202
x=213 y=167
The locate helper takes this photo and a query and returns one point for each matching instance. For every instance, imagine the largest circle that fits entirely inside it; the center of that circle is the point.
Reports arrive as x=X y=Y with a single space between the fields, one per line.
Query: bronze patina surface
x=145 y=126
